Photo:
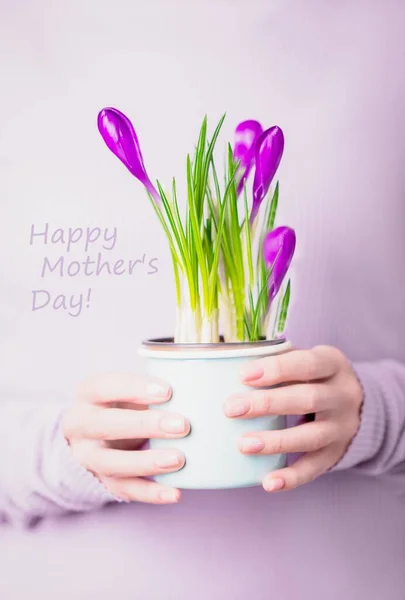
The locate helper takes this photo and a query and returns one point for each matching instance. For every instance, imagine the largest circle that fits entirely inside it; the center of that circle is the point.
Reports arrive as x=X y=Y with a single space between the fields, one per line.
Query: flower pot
x=202 y=377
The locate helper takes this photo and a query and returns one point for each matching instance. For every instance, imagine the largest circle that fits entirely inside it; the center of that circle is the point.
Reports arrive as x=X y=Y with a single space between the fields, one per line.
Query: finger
x=302 y=438
x=119 y=424
x=141 y=490
x=305 y=470
x=296 y=399
x=120 y=463
x=114 y=387
x=295 y=366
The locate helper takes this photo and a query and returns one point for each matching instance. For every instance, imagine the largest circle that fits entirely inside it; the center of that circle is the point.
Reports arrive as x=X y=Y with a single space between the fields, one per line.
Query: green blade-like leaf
x=172 y=221
x=218 y=241
x=234 y=218
x=247 y=328
x=216 y=181
x=198 y=171
x=273 y=210
x=263 y=294
x=176 y=279
x=166 y=229
x=284 y=309
x=177 y=216
x=212 y=208
x=208 y=243
x=248 y=239
x=196 y=238
x=210 y=151
x=277 y=316
x=268 y=223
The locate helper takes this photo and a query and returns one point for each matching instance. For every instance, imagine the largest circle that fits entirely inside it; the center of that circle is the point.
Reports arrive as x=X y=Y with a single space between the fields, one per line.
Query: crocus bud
x=269 y=151
x=246 y=135
x=278 y=251
x=119 y=135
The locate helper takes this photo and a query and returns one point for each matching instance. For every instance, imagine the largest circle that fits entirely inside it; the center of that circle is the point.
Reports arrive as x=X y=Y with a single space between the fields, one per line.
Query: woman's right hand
x=108 y=423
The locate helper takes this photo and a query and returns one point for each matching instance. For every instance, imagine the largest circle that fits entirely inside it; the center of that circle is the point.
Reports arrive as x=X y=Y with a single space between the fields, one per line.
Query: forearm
x=379 y=445
x=39 y=477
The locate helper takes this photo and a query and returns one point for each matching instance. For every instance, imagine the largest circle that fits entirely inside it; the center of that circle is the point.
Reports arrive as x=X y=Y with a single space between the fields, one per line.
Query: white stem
x=191 y=328
x=209 y=329
x=188 y=321
x=226 y=314
x=266 y=324
x=227 y=311
x=177 y=334
x=190 y=325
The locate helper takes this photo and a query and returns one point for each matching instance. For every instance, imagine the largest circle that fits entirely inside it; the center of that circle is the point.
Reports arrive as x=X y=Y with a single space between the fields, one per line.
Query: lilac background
x=331 y=75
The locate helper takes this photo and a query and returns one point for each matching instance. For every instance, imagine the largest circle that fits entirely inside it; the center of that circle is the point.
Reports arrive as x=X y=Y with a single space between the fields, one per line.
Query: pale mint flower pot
x=202 y=377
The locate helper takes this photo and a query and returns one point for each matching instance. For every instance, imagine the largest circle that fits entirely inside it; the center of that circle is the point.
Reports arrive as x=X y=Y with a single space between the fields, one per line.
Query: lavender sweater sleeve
x=38 y=474
x=379 y=445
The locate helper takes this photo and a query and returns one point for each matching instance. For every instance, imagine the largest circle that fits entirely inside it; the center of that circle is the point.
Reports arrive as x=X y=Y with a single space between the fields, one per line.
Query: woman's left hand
x=320 y=381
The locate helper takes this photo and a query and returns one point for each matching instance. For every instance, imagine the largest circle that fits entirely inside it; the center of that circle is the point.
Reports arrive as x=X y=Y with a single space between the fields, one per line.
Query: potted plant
x=230 y=265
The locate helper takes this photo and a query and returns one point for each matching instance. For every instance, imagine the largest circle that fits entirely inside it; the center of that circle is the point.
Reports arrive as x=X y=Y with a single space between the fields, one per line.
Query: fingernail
x=252 y=444
x=169 y=496
x=167 y=460
x=250 y=372
x=273 y=484
x=173 y=424
x=237 y=407
x=157 y=390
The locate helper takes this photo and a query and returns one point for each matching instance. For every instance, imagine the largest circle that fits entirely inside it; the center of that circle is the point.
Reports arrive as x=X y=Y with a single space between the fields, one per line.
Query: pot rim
x=166 y=348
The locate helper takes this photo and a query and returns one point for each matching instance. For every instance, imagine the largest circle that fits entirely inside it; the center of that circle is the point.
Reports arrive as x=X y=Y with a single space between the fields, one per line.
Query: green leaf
x=277 y=315
x=196 y=239
x=262 y=300
x=208 y=243
x=216 y=181
x=212 y=208
x=166 y=228
x=268 y=223
x=176 y=280
x=248 y=240
x=284 y=309
x=234 y=219
x=173 y=224
x=177 y=216
x=247 y=328
x=273 y=210
x=210 y=150
x=198 y=171
x=218 y=241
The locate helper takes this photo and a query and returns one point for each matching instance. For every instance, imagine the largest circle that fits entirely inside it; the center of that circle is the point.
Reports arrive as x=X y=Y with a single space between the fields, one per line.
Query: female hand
x=319 y=381
x=108 y=423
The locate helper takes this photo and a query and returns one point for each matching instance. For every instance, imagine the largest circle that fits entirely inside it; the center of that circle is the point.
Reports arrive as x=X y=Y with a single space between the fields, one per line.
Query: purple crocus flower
x=278 y=244
x=246 y=136
x=119 y=135
x=269 y=151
